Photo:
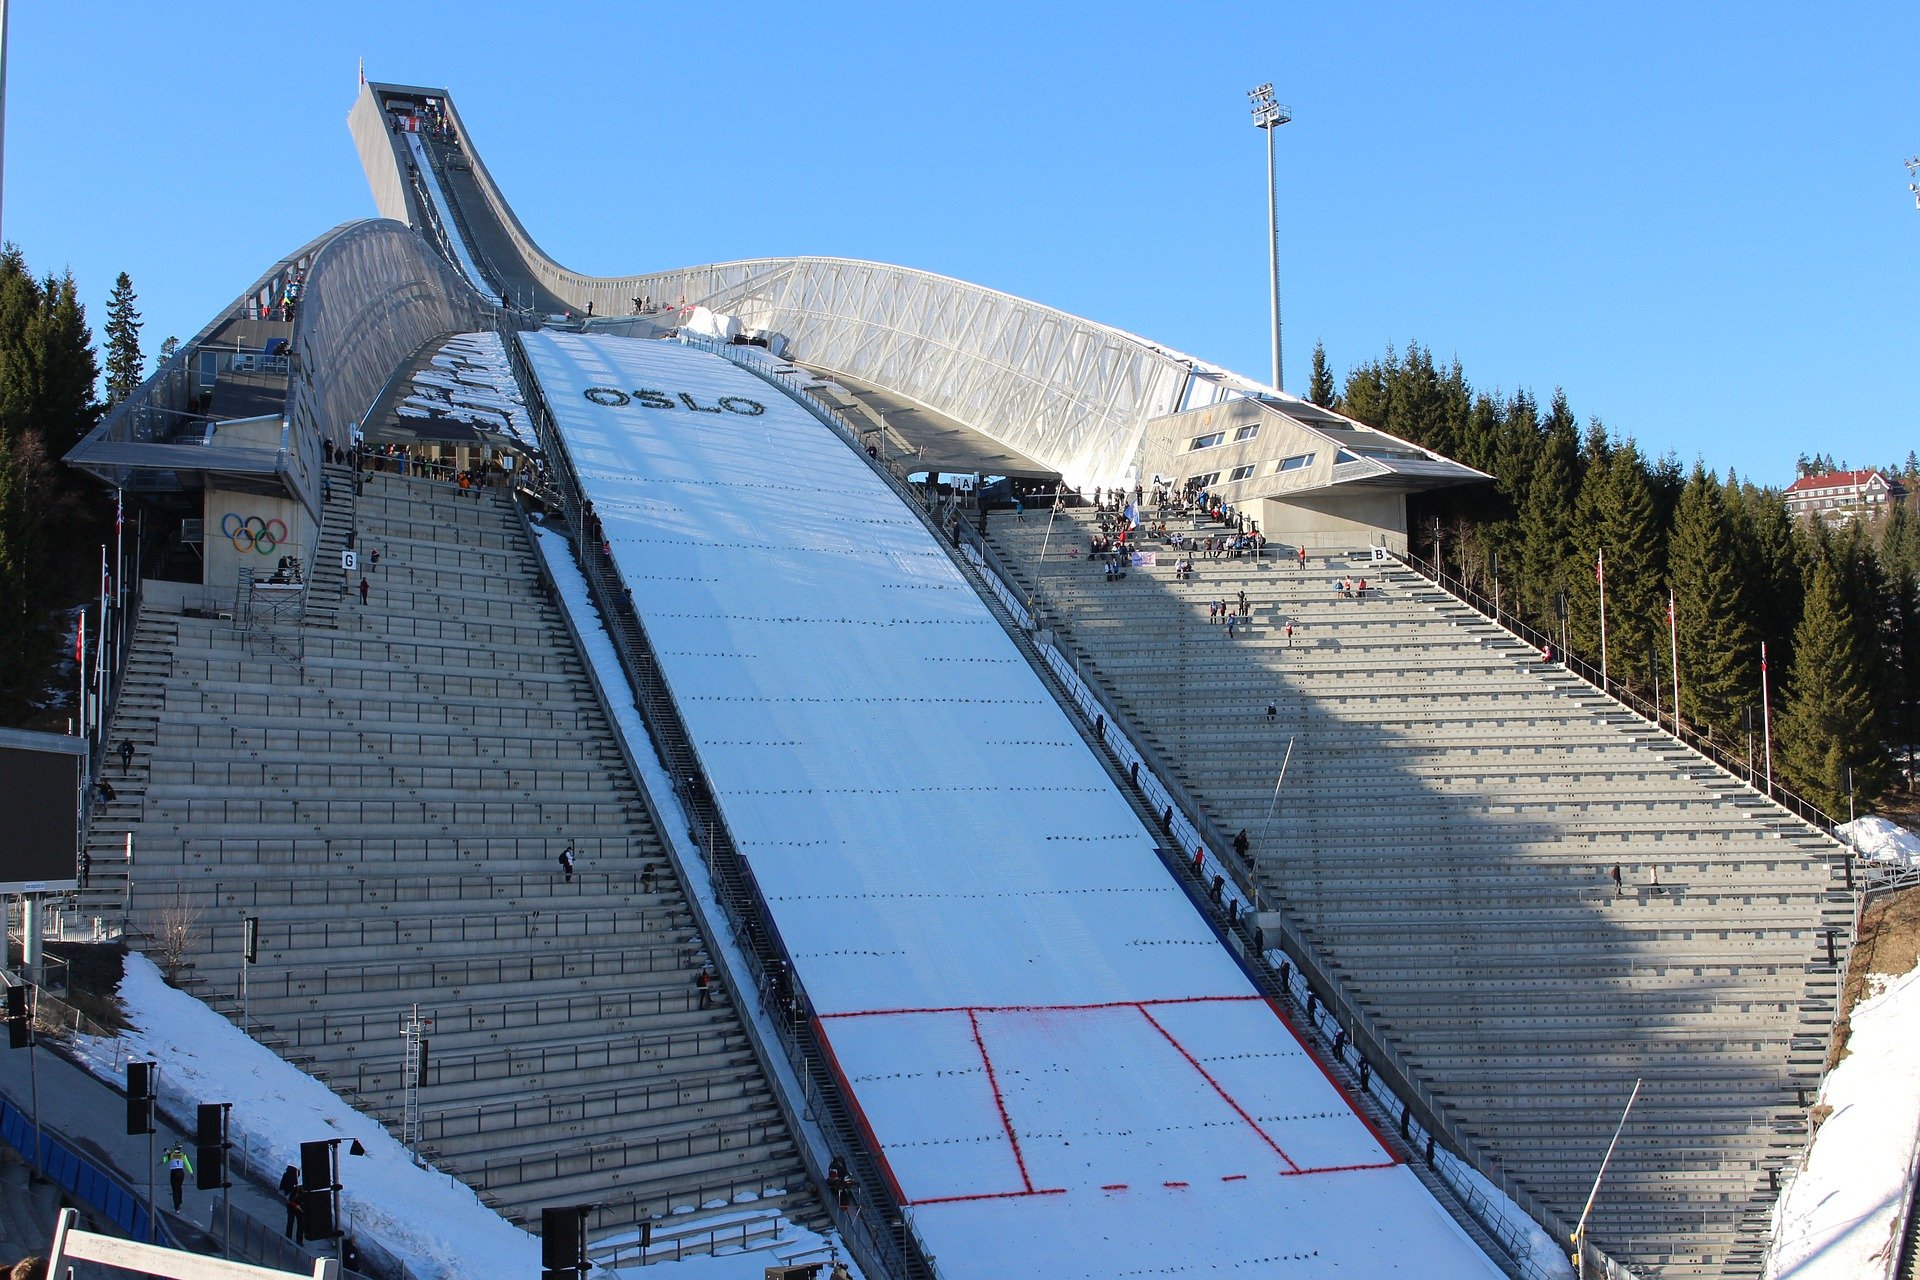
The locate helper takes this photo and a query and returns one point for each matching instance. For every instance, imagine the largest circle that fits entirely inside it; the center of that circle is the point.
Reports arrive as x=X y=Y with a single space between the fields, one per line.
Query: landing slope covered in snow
x=1066 y=1073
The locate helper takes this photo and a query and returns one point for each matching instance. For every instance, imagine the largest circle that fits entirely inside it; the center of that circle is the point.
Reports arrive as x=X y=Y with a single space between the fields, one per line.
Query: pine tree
x=1546 y=524
x=1832 y=721
x=1719 y=652
x=125 y=365
x=1365 y=394
x=167 y=351
x=63 y=349
x=1320 y=382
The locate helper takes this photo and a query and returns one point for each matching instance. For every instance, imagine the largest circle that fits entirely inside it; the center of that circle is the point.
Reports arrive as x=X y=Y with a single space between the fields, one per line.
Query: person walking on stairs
x=704 y=984
x=126 y=755
x=1618 y=888
x=566 y=863
x=178 y=1167
x=365 y=587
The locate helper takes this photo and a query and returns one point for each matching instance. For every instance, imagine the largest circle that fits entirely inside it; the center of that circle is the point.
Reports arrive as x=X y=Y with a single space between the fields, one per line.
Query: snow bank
x=1839 y=1217
x=428 y=1219
x=1882 y=841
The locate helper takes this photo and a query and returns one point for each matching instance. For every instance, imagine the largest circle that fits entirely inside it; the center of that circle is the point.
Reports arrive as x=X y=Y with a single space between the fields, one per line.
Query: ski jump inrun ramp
x=1065 y=1072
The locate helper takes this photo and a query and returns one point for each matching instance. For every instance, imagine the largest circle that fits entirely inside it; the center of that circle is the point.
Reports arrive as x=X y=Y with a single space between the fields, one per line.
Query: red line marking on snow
x=989 y=1195
x=1114 y=1186
x=1224 y=1095
x=1041 y=1008
x=1338 y=1088
x=859 y=1113
x=1173 y=1184
x=999 y=1101
x=1233 y=1177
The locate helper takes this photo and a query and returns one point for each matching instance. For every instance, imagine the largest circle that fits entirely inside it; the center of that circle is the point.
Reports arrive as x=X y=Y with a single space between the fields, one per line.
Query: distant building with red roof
x=1838 y=496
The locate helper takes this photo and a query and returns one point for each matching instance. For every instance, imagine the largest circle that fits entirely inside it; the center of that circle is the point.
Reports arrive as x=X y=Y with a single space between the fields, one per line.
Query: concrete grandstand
x=912 y=907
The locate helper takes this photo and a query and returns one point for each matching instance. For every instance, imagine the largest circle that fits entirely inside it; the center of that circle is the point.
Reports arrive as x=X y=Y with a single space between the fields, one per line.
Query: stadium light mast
x=1270 y=115
x=3 y=94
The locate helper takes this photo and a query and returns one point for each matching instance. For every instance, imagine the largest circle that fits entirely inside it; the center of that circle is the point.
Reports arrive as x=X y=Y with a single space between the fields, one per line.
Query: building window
x=1240 y=473
x=1294 y=463
x=1247 y=432
x=1208 y=480
x=1206 y=441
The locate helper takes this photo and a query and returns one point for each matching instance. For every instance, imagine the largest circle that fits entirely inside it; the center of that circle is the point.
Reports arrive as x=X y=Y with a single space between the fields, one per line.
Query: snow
x=468 y=267
x=470 y=380
x=1064 y=1070
x=1881 y=840
x=1839 y=1217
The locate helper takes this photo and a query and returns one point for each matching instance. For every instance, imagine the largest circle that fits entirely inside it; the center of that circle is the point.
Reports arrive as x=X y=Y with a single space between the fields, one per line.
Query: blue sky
x=1693 y=217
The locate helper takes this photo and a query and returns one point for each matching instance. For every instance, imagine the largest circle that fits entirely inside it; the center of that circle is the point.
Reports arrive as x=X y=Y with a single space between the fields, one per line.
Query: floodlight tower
x=1270 y=115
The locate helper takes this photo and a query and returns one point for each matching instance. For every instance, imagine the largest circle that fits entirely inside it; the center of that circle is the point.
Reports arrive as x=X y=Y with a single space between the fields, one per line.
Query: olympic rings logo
x=252 y=533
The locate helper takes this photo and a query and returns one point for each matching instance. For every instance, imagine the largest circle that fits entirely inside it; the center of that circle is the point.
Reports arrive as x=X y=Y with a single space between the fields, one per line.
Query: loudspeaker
x=250 y=939
x=140 y=1081
x=316 y=1166
x=19 y=1020
x=210 y=1147
x=317 y=1215
x=563 y=1246
x=421 y=1079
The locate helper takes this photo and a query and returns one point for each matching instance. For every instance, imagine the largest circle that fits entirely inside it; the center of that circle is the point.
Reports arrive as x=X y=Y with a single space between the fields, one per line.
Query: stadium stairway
x=392 y=807
x=1445 y=837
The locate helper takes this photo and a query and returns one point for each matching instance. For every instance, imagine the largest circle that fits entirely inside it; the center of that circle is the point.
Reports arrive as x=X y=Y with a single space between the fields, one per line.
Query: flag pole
x=1766 y=716
x=100 y=655
x=1600 y=576
x=1673 y=634
x=80 y=665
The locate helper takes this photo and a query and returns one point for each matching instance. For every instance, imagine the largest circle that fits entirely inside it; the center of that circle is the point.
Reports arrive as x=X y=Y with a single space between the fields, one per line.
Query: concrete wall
x=372 y=138
x=226 y=556
x=1353 y=518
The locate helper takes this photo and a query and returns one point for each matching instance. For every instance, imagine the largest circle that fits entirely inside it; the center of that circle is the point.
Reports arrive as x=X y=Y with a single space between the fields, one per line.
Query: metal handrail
x=1658 y=718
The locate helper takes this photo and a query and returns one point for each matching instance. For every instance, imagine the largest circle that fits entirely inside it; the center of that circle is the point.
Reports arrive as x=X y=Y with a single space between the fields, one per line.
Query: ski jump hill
x=992 y=995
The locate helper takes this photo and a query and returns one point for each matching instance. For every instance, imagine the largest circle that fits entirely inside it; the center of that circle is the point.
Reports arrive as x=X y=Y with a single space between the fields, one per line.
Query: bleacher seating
x=1446 y=836
x=391 y=803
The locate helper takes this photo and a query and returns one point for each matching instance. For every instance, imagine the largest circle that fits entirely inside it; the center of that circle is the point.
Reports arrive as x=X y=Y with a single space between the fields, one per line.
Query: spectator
x=290 y=1192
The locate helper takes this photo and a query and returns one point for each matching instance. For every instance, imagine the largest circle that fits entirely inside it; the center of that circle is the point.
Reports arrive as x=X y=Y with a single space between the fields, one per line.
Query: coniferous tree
x=1546 y=523
x=1770 y=554
x=125 y=365
x=1320 y=382
x=1719 y=652
x=63 y=349
x=1365 y=395
x=1831 y=722
x=167 y=352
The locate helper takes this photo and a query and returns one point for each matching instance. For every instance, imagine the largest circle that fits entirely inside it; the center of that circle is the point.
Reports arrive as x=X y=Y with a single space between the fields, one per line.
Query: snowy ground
x=1839 y=1216
x=469 y=380
x=1882 y=841
x=1066 y=1073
